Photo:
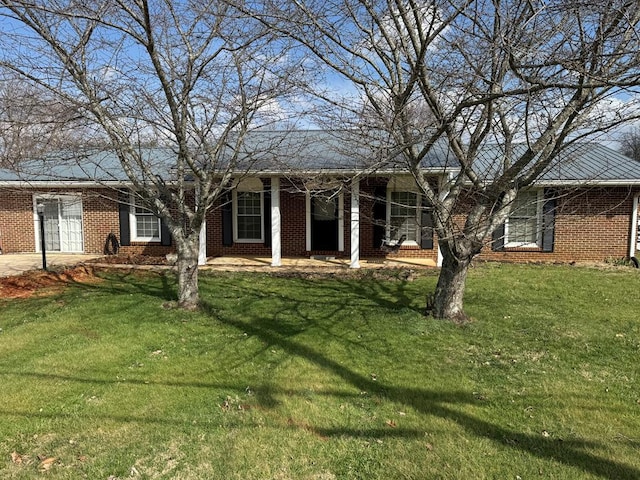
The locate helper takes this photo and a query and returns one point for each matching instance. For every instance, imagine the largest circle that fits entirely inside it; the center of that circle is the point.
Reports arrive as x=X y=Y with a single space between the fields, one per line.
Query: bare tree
x=195 y=77
x=630 y=143
x=32 y=123
x=525 y=79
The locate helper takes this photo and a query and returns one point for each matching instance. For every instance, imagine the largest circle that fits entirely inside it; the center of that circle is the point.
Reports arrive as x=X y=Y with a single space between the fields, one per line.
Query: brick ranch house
x=323 y=202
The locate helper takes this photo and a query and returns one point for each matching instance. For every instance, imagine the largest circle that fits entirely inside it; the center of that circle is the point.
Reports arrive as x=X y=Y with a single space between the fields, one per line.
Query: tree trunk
x=187 y=263
x=447 y=302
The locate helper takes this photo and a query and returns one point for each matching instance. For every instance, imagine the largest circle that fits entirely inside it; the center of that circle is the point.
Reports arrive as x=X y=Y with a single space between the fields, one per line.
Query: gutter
x=329 y=172
x=60 y=184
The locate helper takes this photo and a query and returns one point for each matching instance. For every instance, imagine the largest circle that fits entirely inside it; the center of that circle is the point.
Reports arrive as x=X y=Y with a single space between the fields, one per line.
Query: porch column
x=634 y=241
x=276 y=246
x=202 y=248
x=202 y=238
x=355 y=224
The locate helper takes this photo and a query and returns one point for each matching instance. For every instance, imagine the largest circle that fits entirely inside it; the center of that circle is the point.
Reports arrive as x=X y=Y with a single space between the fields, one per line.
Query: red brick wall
x=16 y=221
x=590 y=225
x=99 y=218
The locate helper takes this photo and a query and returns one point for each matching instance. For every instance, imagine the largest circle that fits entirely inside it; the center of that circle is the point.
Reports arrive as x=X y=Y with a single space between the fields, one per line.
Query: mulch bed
x=130 y=260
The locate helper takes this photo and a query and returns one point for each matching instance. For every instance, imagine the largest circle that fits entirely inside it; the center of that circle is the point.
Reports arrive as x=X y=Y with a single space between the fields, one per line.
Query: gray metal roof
x=288 y=152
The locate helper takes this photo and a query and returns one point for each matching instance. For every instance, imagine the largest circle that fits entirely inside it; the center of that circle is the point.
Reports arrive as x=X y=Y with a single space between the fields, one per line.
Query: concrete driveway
x=17 y=263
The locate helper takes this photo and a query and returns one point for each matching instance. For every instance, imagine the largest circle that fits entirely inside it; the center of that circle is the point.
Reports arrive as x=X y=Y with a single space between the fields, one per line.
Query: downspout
x=633 y=237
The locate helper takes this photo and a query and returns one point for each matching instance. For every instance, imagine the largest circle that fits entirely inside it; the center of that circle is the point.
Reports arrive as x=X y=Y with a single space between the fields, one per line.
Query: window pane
x=249 y=228
x=404 y=226
x=147 y=226
x=525 y=204
x=248 y=203
x=324 y=208
x=523 y=230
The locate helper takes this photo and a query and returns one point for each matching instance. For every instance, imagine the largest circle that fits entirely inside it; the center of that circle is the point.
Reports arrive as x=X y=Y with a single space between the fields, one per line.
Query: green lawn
x=325 y=377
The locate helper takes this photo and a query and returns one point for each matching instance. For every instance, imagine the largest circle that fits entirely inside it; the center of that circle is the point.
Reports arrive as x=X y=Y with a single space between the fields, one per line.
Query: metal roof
x=317 y=151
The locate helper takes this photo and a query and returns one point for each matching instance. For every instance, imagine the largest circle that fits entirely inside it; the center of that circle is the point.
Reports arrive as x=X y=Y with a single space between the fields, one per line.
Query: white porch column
x=276 y=246
x=202 y=250
x=202 y=238
x=634 y=241
x=355 y=224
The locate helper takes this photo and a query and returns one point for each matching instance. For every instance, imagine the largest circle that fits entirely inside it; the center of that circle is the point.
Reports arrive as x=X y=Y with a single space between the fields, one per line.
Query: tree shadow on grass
x=130 y=281
x=429 y=402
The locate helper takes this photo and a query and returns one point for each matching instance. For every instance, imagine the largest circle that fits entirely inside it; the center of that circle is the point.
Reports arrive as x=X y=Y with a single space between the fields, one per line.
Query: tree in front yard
x=630 y=142
x=503 y=90
x=190 y=77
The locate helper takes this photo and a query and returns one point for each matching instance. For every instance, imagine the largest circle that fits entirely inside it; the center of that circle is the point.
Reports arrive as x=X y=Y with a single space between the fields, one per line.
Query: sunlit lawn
x=325 y=377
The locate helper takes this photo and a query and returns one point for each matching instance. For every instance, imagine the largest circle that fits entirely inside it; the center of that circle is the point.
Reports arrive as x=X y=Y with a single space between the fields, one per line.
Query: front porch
x=344 y=222
x=303 y=263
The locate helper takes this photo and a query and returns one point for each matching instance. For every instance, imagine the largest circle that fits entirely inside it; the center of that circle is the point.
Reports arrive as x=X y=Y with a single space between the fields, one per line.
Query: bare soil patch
x=39 y=282
x=130 y=260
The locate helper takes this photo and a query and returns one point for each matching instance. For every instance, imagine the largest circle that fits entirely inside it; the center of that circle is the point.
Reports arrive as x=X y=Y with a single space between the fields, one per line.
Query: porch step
x=322 y=257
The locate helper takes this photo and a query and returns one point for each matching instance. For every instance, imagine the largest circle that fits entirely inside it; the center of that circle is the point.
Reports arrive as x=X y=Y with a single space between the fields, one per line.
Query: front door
x=324 y=222
x=62 y=224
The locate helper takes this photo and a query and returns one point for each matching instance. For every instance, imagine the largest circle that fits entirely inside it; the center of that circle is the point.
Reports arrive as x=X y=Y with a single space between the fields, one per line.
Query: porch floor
x=259 y=263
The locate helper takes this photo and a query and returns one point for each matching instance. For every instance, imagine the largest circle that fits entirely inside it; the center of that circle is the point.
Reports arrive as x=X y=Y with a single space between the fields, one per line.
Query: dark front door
x=324 y=222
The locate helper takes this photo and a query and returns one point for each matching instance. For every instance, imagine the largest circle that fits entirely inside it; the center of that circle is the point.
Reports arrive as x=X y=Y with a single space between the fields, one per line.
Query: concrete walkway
x=17 y=263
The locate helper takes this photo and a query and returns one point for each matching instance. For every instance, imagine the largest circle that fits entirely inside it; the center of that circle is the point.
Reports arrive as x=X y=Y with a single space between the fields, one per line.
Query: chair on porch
x=389 y=246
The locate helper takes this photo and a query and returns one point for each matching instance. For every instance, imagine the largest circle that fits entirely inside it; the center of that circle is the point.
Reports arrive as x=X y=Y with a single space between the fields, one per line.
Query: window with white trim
x=403 y=216
x=248 y=211
x=145 y=226
x=523 y=228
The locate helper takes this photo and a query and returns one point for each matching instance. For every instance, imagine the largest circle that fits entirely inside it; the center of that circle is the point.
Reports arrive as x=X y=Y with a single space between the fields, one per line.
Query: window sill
x=522 y=248
x=145 y=240
x=410 y=245
x=248 y=240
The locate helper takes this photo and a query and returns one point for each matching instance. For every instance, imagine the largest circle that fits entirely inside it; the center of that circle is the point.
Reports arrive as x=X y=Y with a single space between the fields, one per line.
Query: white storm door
x=62 y=224
x=51 y=225
x=71 y=225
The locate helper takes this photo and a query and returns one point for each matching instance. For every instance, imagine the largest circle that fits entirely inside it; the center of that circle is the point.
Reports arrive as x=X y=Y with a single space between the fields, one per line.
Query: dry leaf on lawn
x=47 y=462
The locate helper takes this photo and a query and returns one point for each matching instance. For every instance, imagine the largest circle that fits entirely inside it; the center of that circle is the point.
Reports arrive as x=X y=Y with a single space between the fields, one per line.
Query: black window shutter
x=267 y=218
x=227 y=221
x=548 y=221
x=426 y=222
x=497 y=239
x=379 y=215
x=165 y=234
x=123 y=216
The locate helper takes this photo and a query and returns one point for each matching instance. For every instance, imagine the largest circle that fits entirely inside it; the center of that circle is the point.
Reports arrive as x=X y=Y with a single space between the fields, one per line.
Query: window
x=247 y=204
x=403 y=210
x=523 y=227
x=145 y=226
x=249 y=216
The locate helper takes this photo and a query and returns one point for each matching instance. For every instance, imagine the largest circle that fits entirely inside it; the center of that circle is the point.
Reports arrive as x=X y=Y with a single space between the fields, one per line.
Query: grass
x=325 y=378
